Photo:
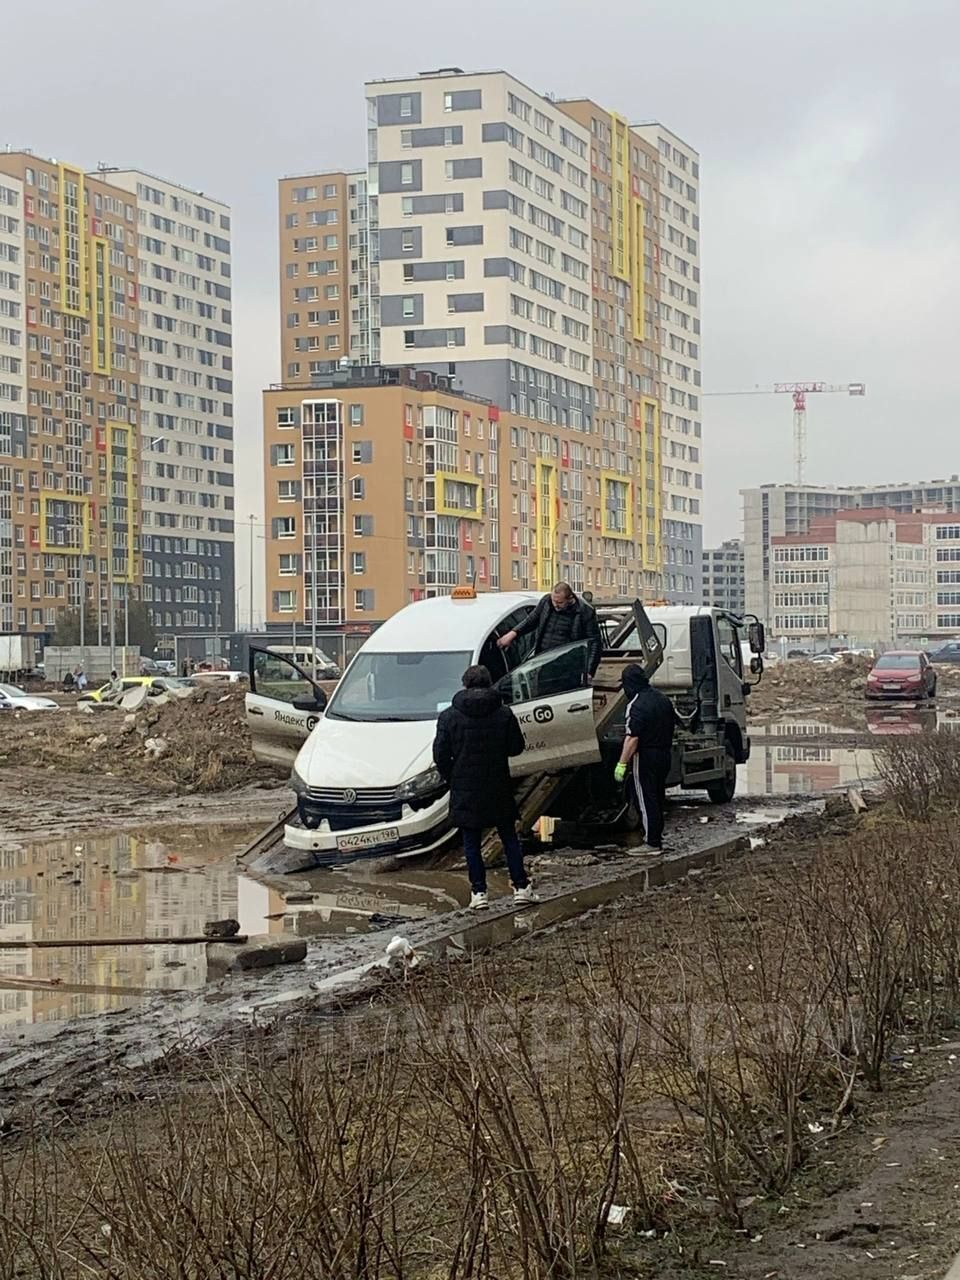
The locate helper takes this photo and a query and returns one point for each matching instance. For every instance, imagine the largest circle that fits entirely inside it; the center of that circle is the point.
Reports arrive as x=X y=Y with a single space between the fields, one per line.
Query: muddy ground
x=877 y=1197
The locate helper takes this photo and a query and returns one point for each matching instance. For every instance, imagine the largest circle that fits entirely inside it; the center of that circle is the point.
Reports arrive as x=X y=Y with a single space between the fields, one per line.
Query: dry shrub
x=921 y=773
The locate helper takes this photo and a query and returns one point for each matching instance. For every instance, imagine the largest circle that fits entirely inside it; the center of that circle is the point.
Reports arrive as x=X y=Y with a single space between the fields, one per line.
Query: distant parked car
x=949 y=652
x=902 y=673
x=826 y=659
x=13 y=698
x=155 y=685
x=167 y=667
x=202 y=679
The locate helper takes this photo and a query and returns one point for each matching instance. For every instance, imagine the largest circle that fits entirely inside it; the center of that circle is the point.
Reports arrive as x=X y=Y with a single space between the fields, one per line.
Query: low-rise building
x=871 y=577
x=723 y=576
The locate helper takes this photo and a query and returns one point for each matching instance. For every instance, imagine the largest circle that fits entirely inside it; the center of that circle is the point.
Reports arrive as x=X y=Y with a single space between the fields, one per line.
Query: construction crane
x=799 y=391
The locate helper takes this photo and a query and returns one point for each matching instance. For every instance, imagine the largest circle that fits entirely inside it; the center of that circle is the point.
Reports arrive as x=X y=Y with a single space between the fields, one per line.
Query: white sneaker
x=478 y=901
x=644 y=851
x=524 y=895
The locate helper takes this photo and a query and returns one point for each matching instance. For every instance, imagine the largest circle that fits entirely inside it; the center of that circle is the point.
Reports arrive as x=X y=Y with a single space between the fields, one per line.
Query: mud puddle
x=166 y=882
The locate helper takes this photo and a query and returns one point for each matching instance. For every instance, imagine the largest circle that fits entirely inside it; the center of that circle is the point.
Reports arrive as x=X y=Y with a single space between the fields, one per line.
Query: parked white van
x=362 y=764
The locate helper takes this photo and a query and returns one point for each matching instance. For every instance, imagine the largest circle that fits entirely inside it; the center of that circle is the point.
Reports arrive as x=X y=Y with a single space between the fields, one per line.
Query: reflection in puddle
x=800 y=768
x=116 y=886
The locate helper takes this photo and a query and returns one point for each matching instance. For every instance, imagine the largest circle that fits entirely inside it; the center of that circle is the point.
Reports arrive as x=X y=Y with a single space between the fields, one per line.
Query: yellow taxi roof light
x=463 y=593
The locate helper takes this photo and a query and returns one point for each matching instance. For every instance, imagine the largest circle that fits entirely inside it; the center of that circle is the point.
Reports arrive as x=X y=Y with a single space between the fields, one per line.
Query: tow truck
x=360 y=761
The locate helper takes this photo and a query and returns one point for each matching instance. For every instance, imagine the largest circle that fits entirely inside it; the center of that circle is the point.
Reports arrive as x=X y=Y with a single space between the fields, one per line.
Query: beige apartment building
x=509 y=248
x=69 y=393
x=868 y=577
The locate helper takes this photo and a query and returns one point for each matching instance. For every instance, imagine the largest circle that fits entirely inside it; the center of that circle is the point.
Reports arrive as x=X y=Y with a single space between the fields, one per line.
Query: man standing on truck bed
x=648 y=745
x=560 y=618
x=476 y=736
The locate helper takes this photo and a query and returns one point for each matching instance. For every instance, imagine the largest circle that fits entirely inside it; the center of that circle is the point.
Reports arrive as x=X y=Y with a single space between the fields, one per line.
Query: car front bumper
x=415 y=831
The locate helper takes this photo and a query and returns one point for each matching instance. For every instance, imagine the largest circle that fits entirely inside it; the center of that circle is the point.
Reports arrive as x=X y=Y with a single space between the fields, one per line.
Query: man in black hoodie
x=648 y=745
x=476 y=737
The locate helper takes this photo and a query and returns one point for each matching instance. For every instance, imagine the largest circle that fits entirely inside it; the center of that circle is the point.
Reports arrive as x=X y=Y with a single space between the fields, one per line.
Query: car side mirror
x=756 y=666
x=756 y=637
x=316 y=703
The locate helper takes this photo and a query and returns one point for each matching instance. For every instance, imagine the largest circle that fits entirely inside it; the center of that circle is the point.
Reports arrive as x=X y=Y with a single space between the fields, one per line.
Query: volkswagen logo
x=349 y=796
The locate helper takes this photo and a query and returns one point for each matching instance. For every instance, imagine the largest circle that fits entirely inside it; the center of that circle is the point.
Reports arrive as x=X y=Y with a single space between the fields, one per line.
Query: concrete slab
x=134 y=698
x=260 y=951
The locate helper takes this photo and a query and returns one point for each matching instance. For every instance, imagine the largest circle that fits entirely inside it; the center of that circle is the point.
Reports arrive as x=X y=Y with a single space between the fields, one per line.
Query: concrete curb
x=954 y=1272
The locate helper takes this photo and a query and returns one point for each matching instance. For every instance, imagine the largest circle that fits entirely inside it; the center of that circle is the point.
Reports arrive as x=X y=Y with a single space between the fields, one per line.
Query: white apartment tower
x=680 y=420
x=13 y=382
x=479 y=193
x=187 y=426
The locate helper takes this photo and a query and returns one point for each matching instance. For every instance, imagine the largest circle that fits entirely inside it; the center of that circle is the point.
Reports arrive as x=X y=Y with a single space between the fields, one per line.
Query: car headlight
x=297 y=783
x=421 y=785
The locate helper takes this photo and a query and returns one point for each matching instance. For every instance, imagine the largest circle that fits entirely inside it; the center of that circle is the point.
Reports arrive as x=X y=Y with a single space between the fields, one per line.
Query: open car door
x=550 y=696
x=282 y=707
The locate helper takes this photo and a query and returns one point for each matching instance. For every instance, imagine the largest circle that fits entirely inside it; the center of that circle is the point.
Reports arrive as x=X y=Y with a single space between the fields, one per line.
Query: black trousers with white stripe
x=651 y=768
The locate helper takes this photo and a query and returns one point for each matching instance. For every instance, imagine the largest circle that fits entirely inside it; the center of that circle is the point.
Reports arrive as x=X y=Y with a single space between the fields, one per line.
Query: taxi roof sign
x=463 y=593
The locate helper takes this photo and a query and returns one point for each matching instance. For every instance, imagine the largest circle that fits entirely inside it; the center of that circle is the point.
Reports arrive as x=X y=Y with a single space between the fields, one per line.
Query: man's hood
x=477 y=703
x=634 y=680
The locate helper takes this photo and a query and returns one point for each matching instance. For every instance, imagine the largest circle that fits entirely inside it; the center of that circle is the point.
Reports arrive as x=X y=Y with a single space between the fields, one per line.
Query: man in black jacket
x=560 y=618
x=476 y=737
x=648 y=745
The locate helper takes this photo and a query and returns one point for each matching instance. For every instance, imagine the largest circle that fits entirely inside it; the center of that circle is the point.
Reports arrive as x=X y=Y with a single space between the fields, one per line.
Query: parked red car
x=902 y=673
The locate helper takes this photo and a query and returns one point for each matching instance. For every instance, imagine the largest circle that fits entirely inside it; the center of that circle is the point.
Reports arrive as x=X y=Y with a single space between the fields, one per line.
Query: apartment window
x=358 y=562
x=330 y=191
x=283 y=457
x=332 y=342
x=408 y=273
x=406 y=137
x=287 y=490
x=287 y=416
x=409 y=339
x=358 y=487
x=330 y=242
x=406 y=175
x=332 y=292
x=406 y=206
x=285 y=527
x=407 y=241
x=409 y=308
x=288 y=566
x=363 y=601
x=406 y=108
x=286 y=601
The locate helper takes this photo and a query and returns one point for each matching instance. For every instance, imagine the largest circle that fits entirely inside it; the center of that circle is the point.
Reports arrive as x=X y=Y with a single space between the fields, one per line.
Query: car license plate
x=368 y=839
x=893 y=688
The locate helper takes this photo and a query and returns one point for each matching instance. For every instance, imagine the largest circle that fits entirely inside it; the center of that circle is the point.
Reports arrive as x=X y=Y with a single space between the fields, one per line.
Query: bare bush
x=921 y=773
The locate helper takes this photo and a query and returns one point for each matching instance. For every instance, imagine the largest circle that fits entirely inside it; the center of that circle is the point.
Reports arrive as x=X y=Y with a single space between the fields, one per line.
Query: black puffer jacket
x=553 y=628
x=476 y=737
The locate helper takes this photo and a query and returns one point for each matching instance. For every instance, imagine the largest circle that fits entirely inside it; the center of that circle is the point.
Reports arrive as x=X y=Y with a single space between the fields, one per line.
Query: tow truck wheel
x=723 y=790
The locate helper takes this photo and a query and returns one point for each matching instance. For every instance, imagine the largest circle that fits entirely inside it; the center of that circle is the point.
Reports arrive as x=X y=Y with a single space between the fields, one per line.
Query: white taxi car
x=362 y=763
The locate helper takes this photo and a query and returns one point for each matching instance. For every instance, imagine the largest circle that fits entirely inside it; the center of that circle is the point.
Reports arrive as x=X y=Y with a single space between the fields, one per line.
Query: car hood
x=34 y=704
x=350 y=753
x=895 y=674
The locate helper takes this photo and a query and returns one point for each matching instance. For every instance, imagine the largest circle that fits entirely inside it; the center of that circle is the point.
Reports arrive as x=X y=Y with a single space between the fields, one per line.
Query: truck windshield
x=398 y=686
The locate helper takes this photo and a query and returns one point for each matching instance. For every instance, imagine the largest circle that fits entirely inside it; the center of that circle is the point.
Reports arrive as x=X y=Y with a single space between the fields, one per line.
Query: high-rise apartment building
x=723 y=576
x=69 y=393
x=678 y=270
x=185 y=315
x=787 y=509
x=510 y=246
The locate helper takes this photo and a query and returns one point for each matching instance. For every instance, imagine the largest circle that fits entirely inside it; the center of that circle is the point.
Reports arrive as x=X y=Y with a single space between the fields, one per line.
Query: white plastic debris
x=401 y=950
x=617 y=1214
x=815 y=1128
x=757 y=842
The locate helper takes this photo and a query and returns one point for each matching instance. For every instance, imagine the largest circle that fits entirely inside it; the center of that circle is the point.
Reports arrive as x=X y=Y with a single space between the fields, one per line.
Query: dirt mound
x=797 y=684
x=200 y=743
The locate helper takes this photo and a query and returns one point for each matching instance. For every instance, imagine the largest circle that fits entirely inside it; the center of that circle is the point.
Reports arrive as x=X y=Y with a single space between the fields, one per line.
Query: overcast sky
x=828 y=133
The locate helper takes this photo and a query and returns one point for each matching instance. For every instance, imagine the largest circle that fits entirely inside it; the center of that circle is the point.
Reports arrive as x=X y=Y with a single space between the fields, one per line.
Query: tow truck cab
x=704 y=673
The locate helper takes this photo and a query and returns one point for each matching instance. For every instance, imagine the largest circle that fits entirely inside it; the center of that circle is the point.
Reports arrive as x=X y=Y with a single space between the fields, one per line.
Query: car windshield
x=897 y=662
x=11 y=691
x=398 y=686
